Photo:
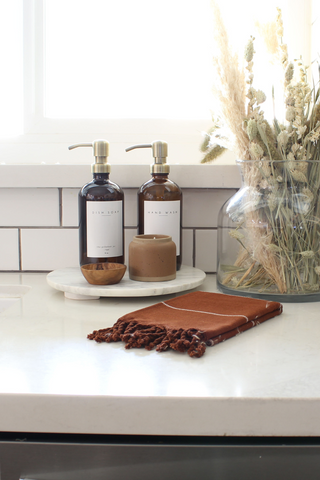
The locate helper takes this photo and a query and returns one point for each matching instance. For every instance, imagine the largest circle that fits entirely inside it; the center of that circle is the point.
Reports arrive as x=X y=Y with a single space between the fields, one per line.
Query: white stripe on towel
x=208 y=313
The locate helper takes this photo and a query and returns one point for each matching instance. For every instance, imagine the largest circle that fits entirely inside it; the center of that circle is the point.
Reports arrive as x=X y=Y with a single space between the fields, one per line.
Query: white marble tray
x=74 y=285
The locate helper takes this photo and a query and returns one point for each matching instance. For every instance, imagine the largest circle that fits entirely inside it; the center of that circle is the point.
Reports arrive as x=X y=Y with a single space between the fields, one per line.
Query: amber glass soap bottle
x=101 y=225
x=160 y=199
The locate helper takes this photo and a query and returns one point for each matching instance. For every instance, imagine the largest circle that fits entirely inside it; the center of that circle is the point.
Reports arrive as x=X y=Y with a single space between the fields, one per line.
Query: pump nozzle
x=80 y=145
x=142 y=145
x=160 y=153
x=100 y=152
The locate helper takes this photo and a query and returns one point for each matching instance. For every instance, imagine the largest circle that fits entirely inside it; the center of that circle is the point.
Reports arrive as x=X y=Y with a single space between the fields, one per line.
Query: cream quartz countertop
x=265 y=382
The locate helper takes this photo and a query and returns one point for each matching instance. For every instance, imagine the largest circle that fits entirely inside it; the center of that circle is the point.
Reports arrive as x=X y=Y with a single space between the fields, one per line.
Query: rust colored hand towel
x=189 y=322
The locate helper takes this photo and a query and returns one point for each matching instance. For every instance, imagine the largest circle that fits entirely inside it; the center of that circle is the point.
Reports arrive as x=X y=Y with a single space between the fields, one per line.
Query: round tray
x=74 y=285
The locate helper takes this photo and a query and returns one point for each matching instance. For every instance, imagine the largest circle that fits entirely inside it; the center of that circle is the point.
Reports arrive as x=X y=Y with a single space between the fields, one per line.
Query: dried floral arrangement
x=282 y=176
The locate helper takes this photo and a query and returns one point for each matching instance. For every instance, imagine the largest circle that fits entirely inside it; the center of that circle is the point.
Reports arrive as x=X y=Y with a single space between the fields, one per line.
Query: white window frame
x=183 y=136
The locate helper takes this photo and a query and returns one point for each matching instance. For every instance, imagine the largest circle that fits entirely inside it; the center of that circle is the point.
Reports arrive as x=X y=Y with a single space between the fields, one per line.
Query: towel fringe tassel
x=135 y=335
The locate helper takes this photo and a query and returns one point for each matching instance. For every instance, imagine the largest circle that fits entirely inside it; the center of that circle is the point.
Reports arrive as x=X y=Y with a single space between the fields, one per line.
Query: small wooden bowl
x=103 y=273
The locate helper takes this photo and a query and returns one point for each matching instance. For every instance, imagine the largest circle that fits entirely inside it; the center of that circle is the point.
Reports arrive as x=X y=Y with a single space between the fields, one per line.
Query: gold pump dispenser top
x=160 y=153
x=100 y=152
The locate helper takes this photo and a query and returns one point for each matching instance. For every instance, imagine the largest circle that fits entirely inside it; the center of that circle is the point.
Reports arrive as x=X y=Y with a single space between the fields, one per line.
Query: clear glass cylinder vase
x=269 y=232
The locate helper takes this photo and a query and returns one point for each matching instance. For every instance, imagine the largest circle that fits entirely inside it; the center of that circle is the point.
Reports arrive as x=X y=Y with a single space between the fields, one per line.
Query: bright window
x=130 y=72
x=125 y=59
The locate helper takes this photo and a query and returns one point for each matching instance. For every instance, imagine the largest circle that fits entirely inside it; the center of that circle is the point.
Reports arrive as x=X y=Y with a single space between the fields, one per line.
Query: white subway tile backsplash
x=201 y=206
x=29 y=207
x=206 y=250
x=129 y=233
x=49 y=249
x=42 y=248
x=70 y=217
x=130 y=207
x=187 y=247
x=9 y=248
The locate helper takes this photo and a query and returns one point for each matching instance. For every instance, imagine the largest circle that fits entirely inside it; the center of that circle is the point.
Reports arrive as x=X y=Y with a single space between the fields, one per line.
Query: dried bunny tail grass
x=289 y=73
x=230 y=87
x=206 y=141
x=252 y=129
x=256 y=151
x=212 y=154
x=267 y=140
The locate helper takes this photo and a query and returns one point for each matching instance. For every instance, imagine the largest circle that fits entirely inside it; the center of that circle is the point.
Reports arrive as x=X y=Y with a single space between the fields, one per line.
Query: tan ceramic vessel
x=152 y=258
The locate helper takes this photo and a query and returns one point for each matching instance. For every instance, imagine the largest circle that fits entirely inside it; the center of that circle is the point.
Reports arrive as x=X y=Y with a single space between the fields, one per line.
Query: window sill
x=127 y=176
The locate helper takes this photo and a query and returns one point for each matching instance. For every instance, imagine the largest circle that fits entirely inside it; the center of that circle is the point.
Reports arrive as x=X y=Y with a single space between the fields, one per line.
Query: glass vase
x=269 y=232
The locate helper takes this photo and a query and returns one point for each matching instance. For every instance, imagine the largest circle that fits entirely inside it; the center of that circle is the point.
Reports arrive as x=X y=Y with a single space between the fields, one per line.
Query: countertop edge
x=82 y=414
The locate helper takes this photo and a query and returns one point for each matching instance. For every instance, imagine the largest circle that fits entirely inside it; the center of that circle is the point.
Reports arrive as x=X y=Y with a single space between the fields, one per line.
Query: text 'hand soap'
x=160 y=199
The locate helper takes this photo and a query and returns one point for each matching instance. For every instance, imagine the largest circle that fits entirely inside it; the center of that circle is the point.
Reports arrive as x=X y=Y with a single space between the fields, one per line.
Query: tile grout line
x=60 y=207
x=19 y=249
x=194 y=248
x=37 y=227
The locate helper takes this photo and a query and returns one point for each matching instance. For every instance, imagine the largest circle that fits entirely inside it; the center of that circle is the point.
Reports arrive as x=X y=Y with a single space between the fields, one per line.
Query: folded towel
x=189 y=322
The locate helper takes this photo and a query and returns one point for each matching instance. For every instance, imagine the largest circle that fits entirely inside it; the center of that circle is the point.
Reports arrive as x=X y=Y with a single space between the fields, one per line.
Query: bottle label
x=163 y=218
x=104 y=229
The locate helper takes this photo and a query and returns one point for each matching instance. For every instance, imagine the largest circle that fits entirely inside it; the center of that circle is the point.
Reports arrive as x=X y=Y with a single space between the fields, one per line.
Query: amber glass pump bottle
x=101 y=225
x=160 y=199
